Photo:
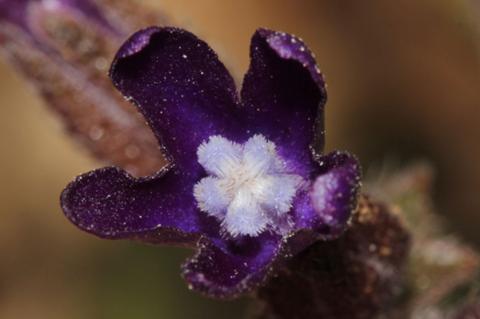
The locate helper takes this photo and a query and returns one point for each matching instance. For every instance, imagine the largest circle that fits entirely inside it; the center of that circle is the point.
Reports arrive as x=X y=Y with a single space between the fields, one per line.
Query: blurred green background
x=404 y=83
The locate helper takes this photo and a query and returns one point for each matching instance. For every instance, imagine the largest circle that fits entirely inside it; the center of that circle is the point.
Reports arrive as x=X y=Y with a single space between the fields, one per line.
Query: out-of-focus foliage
x=64 y=49
x=443 y=271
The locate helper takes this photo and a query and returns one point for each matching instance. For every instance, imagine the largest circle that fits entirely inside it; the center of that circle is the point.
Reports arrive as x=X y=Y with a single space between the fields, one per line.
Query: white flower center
x=249 y=189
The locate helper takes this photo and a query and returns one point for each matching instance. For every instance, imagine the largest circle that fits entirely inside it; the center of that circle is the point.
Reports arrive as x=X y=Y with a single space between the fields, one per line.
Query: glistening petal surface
x=327 y=204
x=225 y=269
x=267 y=196
x=182 y=89
x=283 y=93
x=110 y=203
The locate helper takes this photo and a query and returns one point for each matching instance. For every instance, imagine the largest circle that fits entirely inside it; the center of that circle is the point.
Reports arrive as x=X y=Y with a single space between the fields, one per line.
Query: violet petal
x=110 y=203
x=283 y=92
x=182 y=89
x=227 y=269
x=328 y=203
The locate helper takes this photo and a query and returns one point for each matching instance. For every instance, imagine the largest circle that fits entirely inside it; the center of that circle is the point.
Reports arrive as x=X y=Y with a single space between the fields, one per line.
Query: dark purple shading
x=331 y=220
x=112 y=204
x=186 y=96
x=226 y=269
x=182 y=89
x=219 y=270
x=283 y=96
x=13 y=10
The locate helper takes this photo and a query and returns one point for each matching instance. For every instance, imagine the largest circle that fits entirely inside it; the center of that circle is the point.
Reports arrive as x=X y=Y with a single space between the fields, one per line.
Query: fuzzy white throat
x=248 y=188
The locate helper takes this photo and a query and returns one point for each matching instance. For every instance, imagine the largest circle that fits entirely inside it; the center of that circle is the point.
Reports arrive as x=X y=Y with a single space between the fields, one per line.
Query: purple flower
x=244 y=184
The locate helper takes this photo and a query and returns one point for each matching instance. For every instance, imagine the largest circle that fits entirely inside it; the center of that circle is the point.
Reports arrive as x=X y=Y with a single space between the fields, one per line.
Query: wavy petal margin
x=228 y=269
x=110 y=203
x=284 y=94
x=184 y=92
x=326 y=206
x=187 y=95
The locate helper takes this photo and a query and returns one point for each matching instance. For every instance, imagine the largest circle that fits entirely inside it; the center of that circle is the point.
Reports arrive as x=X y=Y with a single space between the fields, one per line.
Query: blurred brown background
x=404 y=81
